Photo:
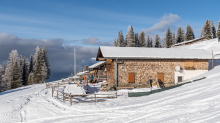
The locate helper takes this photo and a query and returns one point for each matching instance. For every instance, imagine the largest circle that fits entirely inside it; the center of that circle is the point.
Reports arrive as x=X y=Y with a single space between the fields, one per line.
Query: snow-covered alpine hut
x=138 y=65
x=191 y=42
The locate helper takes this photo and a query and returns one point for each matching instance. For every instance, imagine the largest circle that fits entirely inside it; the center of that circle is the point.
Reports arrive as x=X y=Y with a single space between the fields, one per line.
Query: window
x=180 y=78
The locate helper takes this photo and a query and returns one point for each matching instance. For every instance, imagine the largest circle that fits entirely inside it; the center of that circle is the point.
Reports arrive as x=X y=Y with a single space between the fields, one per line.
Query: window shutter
x=130 y=77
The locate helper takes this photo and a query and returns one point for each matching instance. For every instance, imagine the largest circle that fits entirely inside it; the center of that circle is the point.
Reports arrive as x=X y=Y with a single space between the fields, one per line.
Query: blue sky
x=89 y=22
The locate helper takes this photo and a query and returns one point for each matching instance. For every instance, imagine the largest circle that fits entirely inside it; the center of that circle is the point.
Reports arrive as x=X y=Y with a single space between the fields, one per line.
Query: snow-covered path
x=195 y=102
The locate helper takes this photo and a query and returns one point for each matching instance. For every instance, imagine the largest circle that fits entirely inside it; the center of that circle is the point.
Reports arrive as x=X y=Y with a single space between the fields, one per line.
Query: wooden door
x=130 y=77
x=160 y=77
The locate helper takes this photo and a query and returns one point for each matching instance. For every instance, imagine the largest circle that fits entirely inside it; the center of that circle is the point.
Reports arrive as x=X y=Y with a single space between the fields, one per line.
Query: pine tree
x=125 y=42
x=31 y=79
x=213 y=30
x=218 y=30
x=179 y=36
x=148 y=41
x=25 y=72
x=156 y=42
x=44 y=72
x=8 y=75
x=174 y=39
x=189 y=33
x=142 y=42
x=164 y=43
x=1 y=73
x=206 y=31
x=37 y=65
x=136 y=40
x=168 y=38
x=46 y=61
x=115 y=43
x=31 y=64
x=120 y=40
x=130 y=37
x=16 y=79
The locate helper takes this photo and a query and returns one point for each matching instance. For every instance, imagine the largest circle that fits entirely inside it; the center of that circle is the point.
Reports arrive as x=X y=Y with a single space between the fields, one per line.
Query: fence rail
x=80 y=97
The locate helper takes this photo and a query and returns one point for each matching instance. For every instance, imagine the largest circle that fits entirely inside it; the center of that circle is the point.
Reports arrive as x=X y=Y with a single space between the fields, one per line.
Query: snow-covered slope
x=194 y=102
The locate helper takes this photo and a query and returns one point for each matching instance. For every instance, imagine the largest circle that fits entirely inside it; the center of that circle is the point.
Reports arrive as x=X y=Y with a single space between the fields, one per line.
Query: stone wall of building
x=148 y=69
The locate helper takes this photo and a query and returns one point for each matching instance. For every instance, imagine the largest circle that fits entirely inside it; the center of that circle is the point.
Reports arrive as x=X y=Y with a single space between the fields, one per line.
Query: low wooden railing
x=70 y=97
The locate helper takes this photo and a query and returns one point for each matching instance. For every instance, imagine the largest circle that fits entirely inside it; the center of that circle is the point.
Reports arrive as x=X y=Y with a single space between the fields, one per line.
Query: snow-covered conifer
x=115 y=43
x=179 y=36
x=142 y=42
x=31 y=64
x=148 y=41
x=37 y=65
x=174 y=38
x=25 y=72
x=31 y=79
x=46 y=61
x=189 y=33
x=206 y=31
x=130 y=37
x=136 y=40
x=218 y=30
x=156 y=42
x=169 y=38
x=213 y=29
x=16 y=76
x=120 y=40
x=164 y=43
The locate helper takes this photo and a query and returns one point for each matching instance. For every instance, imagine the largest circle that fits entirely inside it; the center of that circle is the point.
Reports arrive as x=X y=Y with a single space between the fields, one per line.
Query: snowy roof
x=96 y=65
x=188 y=41
x=150 y=53
x=73 y=77
x=83 y=73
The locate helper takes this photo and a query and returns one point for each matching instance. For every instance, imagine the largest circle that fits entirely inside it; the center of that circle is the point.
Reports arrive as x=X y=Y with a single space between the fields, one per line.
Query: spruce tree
x=156 y=42
x=115 y=43
x=189 y=33
x=142 y=42
x=130 y=37
x=206 y=31
x=37 y=65
x=120 y=40
x=31 y=64
x=44 y=72
x=213 y=30
x=164 y=43
x=148 y=41
x=179 y=36
x=31 y=79
x=25 y=72
x=136 y=40
x=125 y=42
x=218 y=30
x=169 y=38
x=16 y=76
x=174 y=38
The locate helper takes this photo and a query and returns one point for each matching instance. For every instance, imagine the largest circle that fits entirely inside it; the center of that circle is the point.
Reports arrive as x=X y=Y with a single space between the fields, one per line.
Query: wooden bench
x=125 y=87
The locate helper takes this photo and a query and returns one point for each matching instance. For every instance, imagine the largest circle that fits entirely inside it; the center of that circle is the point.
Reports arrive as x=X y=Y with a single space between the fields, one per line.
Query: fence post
x=116 y=94
x=70 y=99
x=57 y=95
x=95 y=97
x=63 y=97
x=52 y=91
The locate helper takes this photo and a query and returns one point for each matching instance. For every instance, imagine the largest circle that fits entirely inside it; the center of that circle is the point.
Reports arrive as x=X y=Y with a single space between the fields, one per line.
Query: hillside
x=194 y=102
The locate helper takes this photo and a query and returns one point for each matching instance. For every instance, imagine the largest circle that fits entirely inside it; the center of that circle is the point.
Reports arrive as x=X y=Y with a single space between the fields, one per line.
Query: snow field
x=194 y=102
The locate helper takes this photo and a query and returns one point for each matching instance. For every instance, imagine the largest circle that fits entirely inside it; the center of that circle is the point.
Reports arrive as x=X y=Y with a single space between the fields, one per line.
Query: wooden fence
x=80 y=97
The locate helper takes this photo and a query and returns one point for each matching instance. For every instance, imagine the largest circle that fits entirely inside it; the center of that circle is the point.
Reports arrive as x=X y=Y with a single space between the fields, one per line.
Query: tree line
x=18 y=71
x=138 y=40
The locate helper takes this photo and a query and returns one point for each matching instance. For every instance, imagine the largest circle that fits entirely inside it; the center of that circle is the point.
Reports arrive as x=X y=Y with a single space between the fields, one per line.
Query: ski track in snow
x=170 y=108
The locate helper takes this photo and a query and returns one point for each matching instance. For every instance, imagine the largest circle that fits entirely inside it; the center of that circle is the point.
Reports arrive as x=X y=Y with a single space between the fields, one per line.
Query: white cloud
x=165 y=22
